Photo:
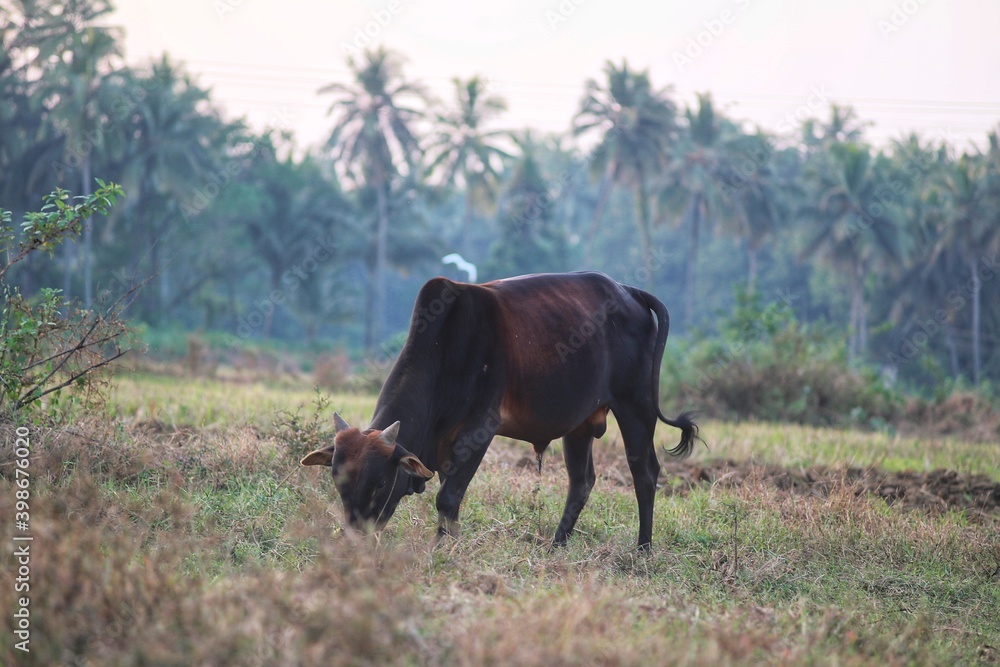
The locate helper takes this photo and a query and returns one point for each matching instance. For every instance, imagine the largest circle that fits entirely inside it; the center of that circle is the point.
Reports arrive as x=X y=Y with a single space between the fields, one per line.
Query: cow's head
x=372 y=472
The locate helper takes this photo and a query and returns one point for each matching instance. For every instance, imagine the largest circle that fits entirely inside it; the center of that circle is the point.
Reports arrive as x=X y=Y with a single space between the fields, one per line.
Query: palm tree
x=634 y=124
x=374 y=142
x=465 y=153
x=756 y=191
x=702 y=162
x=530 y=240
x=30 y=146
x=844 y=126
x=855 y=231
x=87 y=52
x=918 y=298
x=52 y=63
x=169 y=143
x=298 y=208
x=924 y=288
x=972 y=228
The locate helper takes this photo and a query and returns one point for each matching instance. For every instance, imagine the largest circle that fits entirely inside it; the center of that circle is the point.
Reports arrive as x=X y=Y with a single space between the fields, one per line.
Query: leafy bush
x=332 y=372
x=45 y=344
x=766 y=365
x=302 y=434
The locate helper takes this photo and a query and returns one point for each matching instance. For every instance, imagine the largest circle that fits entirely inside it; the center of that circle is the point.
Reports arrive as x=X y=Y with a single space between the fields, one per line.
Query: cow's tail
x=685 y=421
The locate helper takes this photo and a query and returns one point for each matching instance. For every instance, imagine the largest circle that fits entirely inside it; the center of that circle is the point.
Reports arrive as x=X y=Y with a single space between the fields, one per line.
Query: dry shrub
x=92 y=587
x=254 y=362
x=332 y=372
x=199 y=359
x=766 y=365
x=798 y=388
x=301 y=434
x=117 y=581
x=963 y=414
x=88 y=446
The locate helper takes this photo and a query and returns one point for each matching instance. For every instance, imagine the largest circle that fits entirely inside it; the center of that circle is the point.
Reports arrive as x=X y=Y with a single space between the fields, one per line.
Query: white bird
x=461 y=265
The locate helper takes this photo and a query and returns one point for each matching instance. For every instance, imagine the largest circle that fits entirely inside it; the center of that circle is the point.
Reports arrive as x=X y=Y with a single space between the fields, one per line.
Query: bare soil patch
x=935 y=490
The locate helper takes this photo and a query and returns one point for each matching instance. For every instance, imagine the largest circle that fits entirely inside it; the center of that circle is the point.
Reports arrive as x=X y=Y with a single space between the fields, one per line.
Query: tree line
x=893 y=247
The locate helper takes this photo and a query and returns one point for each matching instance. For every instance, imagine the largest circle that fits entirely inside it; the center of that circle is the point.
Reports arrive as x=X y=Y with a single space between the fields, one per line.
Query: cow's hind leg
x=637 y=426
x=578 y=452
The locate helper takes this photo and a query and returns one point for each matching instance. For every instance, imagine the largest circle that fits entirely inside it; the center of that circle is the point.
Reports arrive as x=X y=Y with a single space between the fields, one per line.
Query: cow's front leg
x=456 y=473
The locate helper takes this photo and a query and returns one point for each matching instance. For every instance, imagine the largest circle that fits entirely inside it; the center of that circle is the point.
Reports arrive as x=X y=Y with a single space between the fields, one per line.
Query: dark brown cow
x=533 y=358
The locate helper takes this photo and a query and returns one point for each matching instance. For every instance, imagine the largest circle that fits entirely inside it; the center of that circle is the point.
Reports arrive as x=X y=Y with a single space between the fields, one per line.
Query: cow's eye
x=382 y=484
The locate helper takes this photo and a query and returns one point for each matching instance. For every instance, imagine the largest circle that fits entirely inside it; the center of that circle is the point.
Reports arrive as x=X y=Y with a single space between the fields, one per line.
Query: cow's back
x=571 y=342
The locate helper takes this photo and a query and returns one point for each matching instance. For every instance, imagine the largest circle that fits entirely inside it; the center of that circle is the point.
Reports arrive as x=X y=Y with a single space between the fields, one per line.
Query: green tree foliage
x=895 y=247
x=467 y=154
x=634 y=125
x=530 y=239
x=703 y=161
x=374 y=140
x=855 y=220
x=765 y=364
x=973 y=232
x=758 y=193
x=42 y=348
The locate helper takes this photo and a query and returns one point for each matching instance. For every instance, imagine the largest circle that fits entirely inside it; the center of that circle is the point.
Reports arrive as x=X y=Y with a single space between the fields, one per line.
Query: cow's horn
x=390 y=433
x=339 y=424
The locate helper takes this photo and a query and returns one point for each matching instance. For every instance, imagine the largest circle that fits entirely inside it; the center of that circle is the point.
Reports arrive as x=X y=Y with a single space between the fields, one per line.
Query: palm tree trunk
x=163 y=285
x=381 y=263
x=603 y=194
x=88 y=291
x=862 y=325
x=854 y=325
x=692 y=261
x=751 y=266
x=466 y=244
x=644 y=232
x=69 y=248
x=949 y=339
x=976 y=289
x=230 y=284
x=275 y=287
x=154 y=257
x=369 y=309
x=862 y=317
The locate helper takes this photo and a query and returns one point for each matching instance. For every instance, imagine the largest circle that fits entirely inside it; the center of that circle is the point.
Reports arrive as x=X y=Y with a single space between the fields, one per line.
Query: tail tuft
x=689 y=434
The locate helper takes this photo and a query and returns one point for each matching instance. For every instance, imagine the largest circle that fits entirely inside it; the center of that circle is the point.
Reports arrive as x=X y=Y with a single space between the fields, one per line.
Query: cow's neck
x=408 y=397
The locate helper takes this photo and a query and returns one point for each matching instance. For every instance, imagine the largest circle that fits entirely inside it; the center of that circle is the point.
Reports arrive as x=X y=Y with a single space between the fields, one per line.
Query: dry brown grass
x=171 y=544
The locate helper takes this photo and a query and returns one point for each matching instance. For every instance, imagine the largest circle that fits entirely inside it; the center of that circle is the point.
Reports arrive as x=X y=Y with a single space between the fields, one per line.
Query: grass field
x=177 y=529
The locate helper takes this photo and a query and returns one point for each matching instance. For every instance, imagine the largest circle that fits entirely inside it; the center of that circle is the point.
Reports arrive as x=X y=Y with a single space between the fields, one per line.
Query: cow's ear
x=412 y=466
x=390 y=433
x=320 y=457
x=339 y=424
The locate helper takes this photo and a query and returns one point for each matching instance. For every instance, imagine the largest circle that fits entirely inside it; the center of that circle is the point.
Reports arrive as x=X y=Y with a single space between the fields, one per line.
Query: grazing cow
x=532 y=358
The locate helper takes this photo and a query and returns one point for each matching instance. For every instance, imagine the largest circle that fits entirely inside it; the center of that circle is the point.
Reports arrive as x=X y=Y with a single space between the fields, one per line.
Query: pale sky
x=931 y=66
